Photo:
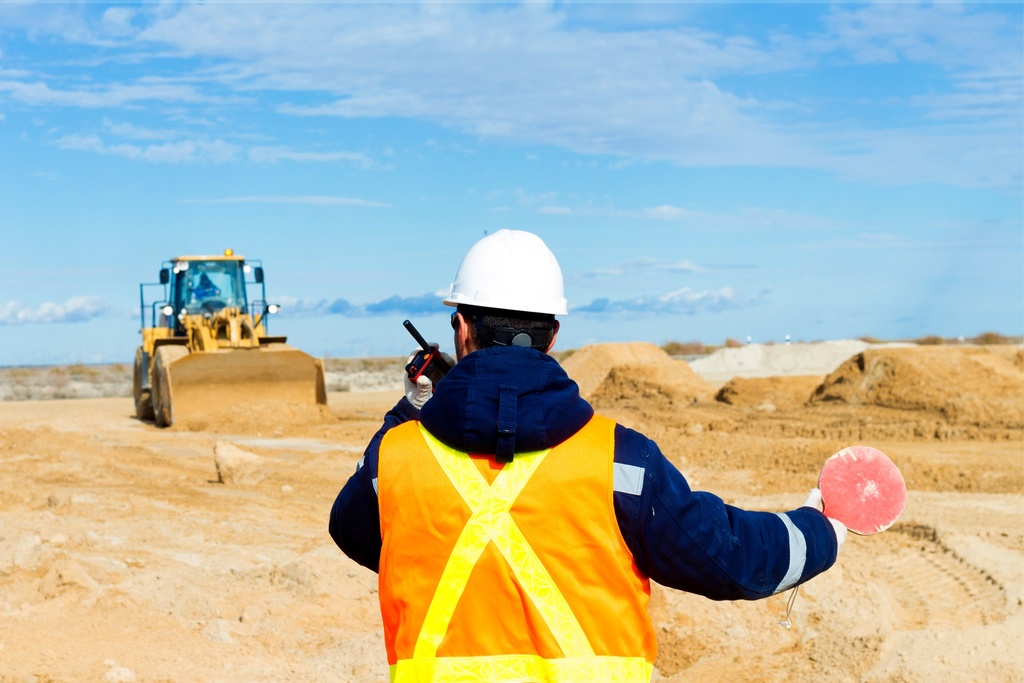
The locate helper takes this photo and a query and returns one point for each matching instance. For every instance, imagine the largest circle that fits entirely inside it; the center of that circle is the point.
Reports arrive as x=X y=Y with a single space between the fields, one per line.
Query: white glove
x=840 y=532
x=420 y=391
x=814 y=501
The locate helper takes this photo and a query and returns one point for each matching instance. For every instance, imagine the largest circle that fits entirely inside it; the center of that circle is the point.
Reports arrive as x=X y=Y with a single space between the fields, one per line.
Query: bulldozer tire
x=143 y=400
x=163 y=411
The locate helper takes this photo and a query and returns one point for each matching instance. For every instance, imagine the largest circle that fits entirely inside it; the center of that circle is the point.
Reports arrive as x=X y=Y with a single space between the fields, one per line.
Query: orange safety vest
x=499 y=573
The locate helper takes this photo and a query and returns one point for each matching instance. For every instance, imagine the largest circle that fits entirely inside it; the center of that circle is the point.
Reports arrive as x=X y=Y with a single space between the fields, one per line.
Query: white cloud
x=644 y=265
x=681 y=301
x=944 y=33
x=661 y=88
x=216 y=151
x=555 y=211
x=104 y=97
x=74 y=310
x=134 y=132
x=276 y=154
x=191 y=151
x=669 y=213
x=743 y=220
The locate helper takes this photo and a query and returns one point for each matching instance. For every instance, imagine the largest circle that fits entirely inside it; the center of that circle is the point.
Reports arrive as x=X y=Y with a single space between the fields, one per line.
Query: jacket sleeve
x=355 y=516
x=693 y=541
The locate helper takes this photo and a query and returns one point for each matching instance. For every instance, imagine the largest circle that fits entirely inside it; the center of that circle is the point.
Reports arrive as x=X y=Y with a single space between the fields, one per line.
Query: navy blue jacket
x=517 y=398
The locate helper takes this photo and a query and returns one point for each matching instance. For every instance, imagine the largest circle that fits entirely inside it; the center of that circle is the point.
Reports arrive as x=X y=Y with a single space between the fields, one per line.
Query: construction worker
x=515 y=532
x=205 y=289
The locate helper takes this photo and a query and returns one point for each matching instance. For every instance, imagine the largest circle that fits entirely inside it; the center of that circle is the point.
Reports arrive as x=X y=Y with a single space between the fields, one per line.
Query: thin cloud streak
x=640 y=266
x=314 y=200
x=186 y=151
x=196 y=151
x=277 y=154
x=684 y=301
x=742 y=220
x=109 y=97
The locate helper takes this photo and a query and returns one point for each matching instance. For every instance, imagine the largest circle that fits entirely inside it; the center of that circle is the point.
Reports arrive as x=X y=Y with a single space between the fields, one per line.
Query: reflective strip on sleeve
x=797 y=554
x=628 y=479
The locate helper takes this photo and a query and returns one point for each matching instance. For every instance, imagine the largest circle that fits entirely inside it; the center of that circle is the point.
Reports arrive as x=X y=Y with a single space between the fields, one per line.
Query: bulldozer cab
x=199 y=286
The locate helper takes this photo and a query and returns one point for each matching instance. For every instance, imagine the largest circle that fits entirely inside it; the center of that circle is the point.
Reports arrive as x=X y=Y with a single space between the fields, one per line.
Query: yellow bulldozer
x=206 y=346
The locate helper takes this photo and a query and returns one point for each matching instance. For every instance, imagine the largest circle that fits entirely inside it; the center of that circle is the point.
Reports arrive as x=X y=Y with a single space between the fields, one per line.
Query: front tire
x=143 y=398
x=163 y=358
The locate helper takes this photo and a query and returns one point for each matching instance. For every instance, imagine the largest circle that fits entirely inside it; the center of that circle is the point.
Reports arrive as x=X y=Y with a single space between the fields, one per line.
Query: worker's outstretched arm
x=693 y=541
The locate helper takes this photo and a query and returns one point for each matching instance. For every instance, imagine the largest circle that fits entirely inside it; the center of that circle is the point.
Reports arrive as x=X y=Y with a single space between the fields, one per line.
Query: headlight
x=273 y=308
x=167 y=310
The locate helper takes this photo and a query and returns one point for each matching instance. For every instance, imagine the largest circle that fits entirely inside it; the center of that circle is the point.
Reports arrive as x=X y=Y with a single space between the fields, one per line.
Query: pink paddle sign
x=862 y=488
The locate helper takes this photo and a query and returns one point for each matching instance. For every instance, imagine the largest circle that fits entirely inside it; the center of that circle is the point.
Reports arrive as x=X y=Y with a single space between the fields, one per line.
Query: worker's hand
x=814 y=501
x=840 y=529
x=420 y=391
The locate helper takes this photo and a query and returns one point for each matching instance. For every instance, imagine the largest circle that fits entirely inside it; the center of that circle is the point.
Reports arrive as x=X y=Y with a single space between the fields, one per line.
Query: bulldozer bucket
x=204 y=383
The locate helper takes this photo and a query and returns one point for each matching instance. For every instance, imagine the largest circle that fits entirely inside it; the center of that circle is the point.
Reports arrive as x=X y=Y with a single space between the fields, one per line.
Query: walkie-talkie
x=428 y=360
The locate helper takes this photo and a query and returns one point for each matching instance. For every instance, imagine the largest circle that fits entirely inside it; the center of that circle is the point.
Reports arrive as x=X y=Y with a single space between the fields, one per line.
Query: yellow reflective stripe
x=486 y=509
x=490 y=520
x=523 y=668
x=538 y=584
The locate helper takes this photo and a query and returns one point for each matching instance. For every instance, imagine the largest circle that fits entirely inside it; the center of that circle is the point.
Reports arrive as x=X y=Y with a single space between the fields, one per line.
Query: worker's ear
x=463 y=338
x=553 y=338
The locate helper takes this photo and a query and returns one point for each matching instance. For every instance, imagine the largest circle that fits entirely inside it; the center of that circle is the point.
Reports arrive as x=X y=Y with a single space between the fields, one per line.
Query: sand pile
x=639 y=371
x=769 y=393
x=776 y=360
x=589 y=366
x=981 y=386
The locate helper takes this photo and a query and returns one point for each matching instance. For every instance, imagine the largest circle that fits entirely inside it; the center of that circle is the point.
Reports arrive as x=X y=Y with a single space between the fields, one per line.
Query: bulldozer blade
x=205 y=383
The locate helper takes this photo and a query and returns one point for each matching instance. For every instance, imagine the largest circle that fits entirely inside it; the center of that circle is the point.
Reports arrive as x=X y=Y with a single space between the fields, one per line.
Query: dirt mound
x=591 y=366
x=981 y=386
x=769 y=393
x=670 y=384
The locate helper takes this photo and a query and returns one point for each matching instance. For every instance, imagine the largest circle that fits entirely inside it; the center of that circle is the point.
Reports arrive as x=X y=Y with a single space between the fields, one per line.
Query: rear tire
x=143 y=400
x=163 y=358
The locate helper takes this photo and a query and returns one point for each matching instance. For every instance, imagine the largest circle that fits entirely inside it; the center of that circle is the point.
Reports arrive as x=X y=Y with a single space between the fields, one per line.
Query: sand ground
x=126 y=554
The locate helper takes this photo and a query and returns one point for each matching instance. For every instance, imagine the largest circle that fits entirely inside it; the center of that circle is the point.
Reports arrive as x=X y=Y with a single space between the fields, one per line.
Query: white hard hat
x=511 y=270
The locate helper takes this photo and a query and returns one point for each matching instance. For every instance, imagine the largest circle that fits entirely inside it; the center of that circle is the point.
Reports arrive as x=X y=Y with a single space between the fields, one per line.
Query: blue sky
x=702 y=171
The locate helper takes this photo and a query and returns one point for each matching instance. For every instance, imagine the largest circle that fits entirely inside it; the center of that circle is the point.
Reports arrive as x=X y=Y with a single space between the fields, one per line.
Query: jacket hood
x=505 y=400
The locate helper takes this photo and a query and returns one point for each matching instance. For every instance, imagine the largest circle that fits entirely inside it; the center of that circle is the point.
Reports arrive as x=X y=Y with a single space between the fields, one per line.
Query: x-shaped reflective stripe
x=490 y=521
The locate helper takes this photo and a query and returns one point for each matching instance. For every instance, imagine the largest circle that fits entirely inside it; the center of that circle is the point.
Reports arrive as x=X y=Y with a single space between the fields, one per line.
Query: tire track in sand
x=931 y=585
